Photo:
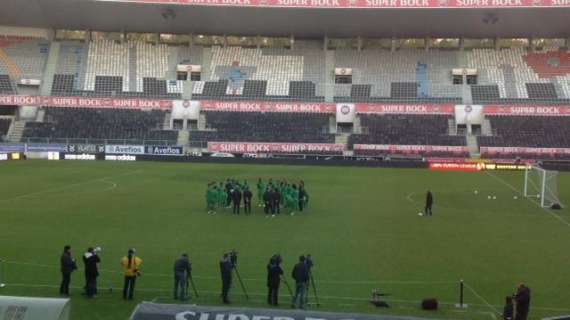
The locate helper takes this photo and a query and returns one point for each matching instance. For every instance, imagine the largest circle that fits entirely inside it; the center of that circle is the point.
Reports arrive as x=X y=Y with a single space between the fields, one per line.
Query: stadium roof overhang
x=275 y=21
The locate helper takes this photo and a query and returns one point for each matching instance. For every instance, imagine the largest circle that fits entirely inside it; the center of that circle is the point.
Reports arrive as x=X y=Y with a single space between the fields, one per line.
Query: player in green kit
x=211 y=198
x=260 y=191
x=221 y=196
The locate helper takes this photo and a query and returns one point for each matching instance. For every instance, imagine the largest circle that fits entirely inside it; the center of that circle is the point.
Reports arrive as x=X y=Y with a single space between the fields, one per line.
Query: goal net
x=543 y=185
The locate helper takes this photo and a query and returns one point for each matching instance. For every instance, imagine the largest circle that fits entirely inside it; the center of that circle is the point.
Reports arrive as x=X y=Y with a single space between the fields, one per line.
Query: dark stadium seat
x=6 y=86
x=404 y=90
x=254 y=89
x=541 y=91
x=360 y=91
x=108 y=85
x=485 y=93
x=528 y=131
x=424 y=130
x=302 y=89
x=100 y=124
x=264 y=127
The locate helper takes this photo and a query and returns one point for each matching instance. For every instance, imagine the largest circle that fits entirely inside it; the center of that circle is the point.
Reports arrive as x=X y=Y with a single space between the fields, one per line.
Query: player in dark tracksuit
x=429 y=203
x=247 y=195
x=267 y=200
x=274 y=201
x=229 y=187
x=236 y=198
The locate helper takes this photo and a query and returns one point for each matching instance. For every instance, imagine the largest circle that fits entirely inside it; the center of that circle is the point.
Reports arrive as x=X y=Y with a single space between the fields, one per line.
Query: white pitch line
x=518 y=192
x=284 y=294
x=356 y=282
x=481 y=298
x=69 y=186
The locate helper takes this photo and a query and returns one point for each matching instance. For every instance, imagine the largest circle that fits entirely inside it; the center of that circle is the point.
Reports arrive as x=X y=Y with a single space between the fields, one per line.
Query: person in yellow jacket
x=131 y=265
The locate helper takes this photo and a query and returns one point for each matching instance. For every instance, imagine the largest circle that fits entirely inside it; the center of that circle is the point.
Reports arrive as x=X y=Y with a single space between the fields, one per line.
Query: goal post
x=541 y=184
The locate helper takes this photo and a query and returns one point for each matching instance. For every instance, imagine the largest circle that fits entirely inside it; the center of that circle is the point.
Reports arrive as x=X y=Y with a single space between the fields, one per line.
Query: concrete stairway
x=166 y=122
x=472 y=146
x=183 y=138
x=16 y=131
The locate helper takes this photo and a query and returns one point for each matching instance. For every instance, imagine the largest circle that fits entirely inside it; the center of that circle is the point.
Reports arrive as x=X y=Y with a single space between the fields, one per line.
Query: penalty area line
x=68 y=186
x=559 y=218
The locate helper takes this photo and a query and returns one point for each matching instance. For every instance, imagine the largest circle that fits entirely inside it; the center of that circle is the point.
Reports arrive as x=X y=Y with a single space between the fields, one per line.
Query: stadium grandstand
x=402 y=93
x=243 y=90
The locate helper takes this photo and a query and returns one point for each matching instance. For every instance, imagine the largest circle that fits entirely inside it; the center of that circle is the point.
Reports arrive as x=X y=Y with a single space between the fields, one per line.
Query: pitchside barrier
x=154 y=311
x=23 y=308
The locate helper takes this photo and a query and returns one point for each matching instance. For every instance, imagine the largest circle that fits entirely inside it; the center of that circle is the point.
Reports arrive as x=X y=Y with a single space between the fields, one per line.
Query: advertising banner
x=365 y=4
x=84 y=148
x=45 y=147
x=84 y=102
x=268 y=106
x=154 y=311
x=261 y=147
x=405 y=108
x=525 y=150
x=527 y=110
x=7 y=148
x=409 y=148
x=124 y=149
x=165 y=150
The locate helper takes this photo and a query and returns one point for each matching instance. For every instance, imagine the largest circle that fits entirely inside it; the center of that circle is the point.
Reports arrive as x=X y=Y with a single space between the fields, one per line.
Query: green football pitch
x=362 y=229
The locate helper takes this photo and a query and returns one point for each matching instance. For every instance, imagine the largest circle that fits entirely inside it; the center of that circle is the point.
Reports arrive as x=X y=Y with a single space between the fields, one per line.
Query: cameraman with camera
x=68 y=265
x=274 y=273
x=226 y=268
x=182 y=273
x=91 y=259
x=131 y=265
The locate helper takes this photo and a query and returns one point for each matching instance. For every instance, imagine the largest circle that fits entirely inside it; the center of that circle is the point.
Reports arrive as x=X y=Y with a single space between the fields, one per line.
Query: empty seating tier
x=135 y=126
x=264 y=127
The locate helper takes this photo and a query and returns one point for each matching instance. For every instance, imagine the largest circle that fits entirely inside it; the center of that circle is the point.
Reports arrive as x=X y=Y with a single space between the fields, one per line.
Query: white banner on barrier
x=124 y=149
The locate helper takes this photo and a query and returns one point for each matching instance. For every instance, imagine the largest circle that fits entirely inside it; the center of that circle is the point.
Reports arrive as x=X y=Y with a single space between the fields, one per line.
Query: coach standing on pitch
x=68 y=265
x=522 y=299
x=429 y=203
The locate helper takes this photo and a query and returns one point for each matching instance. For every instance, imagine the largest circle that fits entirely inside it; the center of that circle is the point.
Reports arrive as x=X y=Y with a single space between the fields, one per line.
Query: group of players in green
x=272 y=196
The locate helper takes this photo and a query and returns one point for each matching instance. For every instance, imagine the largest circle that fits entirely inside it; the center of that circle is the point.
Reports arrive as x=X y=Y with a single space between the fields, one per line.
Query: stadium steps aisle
x=16 y=131
x=50 y=68
x=510 y=81
x=472 y=146
x=133 y=68
x=12 y=67
x=183 y=138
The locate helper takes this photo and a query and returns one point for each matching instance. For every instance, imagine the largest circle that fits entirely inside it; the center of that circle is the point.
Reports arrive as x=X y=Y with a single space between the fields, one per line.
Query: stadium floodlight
x=542 y=184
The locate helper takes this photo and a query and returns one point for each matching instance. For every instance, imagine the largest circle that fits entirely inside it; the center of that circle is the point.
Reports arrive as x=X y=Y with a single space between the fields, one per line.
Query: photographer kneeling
x=131 y=265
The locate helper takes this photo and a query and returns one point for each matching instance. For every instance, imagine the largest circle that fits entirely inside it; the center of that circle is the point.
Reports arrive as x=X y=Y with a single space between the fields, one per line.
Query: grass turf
x=362 y=228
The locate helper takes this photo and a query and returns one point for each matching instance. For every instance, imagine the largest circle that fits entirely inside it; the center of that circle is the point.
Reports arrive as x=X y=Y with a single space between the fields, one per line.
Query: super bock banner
x=153 y=311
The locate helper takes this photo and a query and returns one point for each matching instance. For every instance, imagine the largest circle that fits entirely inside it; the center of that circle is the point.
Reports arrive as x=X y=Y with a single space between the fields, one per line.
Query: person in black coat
x=522 y=299
x=429 y=203
x=226 y=268
x=236 y=199
x=302 y=196
x=301 y=275
x=508 y=310
x=247 y=195
x=274 y=273
x=68 y=265
x=91 y=259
